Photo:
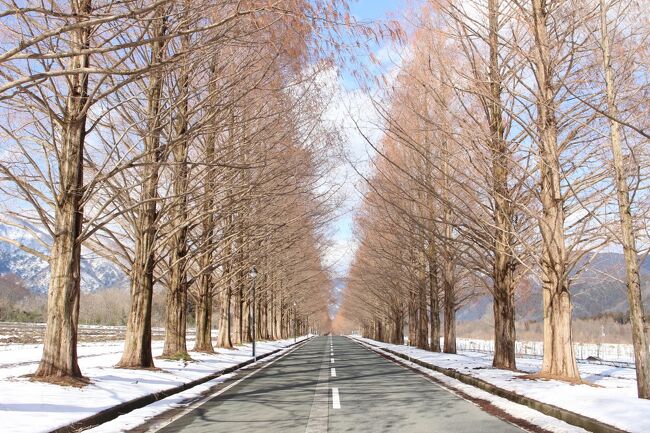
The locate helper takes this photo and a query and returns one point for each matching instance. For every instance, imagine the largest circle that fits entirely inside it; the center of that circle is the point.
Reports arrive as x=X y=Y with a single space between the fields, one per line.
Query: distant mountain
x=96 y=273
x=599 y=287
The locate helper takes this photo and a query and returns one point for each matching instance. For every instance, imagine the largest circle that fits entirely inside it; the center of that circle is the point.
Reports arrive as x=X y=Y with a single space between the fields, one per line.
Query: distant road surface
x=333 y=384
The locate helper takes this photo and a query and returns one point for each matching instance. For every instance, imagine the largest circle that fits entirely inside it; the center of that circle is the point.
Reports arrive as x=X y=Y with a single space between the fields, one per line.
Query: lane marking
x=336 y=402
x=333 y=372
x=332 y=360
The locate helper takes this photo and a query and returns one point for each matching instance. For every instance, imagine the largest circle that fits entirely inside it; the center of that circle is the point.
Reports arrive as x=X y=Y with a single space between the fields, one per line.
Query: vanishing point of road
x=334 y=384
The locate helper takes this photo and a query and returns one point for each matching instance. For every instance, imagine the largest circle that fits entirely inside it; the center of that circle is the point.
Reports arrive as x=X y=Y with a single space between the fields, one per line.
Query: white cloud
x=339 y=255
x=352 y=112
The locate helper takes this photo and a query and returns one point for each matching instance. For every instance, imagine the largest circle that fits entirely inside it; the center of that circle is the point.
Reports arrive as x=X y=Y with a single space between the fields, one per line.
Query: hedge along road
x=334 y=384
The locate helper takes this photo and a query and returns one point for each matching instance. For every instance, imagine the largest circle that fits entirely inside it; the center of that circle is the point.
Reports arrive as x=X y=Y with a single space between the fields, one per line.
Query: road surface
x=333 y=384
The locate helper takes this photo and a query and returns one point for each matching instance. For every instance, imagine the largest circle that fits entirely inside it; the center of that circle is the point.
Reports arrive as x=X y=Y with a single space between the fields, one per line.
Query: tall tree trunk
x=278 y=316
x=137 y=341
x=412 y=319
x=236 y=310
x=398 y=328
x=225 y=325
x=204 y=315
x=59 y=358
x=628 y=238
x=268 y=308
x=176 y=320
x=448 y=278
x=246 y=311
x=449 y=308
x=434 y=300
x=422 y=328
x=204 y=297
x=176 y=308
x=504 y=328
x=559 y=359
x=244 y=305
x=264 y=321
x=259 y=318
x=503 y=266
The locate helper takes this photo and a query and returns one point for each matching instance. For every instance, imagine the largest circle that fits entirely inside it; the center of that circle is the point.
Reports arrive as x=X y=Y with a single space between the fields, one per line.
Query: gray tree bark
x=504 y=262
x=628 y=238
x=176 y=307
x=137 y=344
x=59 y=358
x=559 y=359
x=434 y=300
x=204 y=295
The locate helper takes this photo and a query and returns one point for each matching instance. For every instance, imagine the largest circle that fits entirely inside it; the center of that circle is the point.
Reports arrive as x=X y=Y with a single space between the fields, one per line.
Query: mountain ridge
x=598 y=288
x=96 y=273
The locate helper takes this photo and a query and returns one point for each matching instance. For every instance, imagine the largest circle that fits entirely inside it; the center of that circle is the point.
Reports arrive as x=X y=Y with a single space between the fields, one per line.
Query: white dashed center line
x=336 y=402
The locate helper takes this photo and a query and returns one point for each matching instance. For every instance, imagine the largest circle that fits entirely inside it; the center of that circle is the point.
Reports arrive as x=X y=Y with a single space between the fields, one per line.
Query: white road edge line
x=336 y=402
x=429 y=375
x=333 y=372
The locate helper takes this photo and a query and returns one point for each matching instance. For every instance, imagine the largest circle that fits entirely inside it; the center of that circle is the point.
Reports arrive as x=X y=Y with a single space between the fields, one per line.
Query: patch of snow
x=39 y=407
x=138 y=417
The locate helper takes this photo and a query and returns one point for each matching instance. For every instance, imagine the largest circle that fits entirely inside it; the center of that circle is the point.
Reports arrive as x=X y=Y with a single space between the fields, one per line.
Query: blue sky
x=373 y=9
x=350 y=101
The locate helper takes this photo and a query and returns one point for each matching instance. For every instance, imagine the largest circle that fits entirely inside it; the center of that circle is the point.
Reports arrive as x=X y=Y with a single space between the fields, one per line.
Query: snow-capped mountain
x=96 y=273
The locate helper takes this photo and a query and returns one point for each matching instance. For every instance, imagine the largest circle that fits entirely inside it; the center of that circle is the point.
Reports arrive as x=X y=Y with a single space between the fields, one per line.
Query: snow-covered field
x=27 y=406
x=614 y=353
x=610 y=397
x=12 y=333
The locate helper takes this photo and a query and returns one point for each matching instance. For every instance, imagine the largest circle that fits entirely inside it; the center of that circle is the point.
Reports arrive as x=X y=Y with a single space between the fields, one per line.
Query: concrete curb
x=567 y=416
x=128 y=406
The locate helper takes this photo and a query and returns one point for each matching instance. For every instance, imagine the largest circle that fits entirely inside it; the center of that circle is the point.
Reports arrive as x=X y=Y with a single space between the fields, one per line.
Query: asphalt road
x=332 y=384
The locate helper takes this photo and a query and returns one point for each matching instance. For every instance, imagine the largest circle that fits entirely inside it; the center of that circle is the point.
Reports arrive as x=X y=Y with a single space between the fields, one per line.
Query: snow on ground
x=608 y=352
x=27 y=406
x=611 y=398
